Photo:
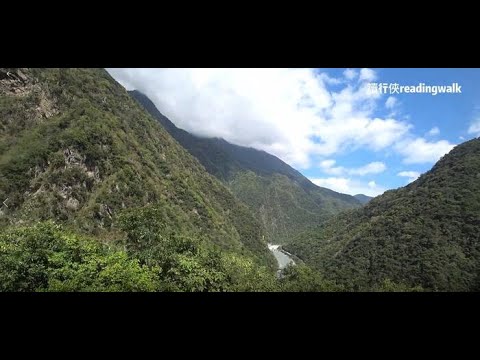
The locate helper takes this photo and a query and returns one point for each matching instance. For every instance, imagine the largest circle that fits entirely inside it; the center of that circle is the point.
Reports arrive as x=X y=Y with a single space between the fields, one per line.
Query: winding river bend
x=283 y=258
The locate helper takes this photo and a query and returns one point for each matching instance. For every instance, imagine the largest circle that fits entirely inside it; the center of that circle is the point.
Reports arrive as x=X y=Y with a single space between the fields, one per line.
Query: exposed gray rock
x=73 y=204
x=22 y=76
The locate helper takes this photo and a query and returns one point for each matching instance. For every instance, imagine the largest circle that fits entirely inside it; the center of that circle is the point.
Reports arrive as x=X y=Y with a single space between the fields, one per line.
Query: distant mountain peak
x=247 y=157
x=282 y=198
x=363 y=198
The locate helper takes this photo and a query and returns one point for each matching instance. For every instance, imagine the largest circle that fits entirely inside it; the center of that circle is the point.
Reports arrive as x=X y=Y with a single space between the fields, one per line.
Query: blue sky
x=449 y=115
x=323 y=122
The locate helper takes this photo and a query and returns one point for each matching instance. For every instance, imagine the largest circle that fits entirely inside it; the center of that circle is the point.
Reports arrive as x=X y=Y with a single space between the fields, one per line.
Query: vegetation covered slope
x=427 y=233
x=76 y=148
x=363 y=198
x=283 y=199
x=47 y=257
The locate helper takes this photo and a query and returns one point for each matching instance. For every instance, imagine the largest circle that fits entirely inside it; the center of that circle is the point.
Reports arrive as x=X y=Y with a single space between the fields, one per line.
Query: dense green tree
x=301 y=278
x=389 y=286
x=189 y=262
x=44 y=257
x=425 y=234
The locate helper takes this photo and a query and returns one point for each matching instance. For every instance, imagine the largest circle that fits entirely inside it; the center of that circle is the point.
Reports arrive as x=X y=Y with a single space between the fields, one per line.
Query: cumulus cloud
x=349 y=186
x=433 y=131
x=335 y=183
x=367 y=75
x=330 y=80
x=326 y=164
x=391 y=102
x=276 y=110
x=291 y=113
x=350 y=74
x=328 y=167
x=411 y=175
x=420 y=151
x=474 y=128
x=372 y=168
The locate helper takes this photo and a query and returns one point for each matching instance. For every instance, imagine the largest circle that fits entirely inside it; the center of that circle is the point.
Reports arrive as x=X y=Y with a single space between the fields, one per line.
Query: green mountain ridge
x=76 y=148
x=100 y=192
x=284 y=200
x=363 y=198
x=426 y=233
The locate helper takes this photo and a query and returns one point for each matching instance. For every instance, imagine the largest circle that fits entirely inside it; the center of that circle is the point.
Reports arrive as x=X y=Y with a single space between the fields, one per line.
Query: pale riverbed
x=282 y=257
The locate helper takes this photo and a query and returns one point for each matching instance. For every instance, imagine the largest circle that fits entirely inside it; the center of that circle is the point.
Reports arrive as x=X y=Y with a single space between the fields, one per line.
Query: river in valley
x=282 y=257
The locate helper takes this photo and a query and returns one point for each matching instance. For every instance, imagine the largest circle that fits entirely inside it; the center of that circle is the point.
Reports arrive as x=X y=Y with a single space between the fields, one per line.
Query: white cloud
x=330 y=80
x=349 y=186
x=411 y=175
x=274 y=110
x=475 y=127
x=350 y=74
x=334 y=183
x=328 y=167
x=327 y=163
x=433 y=131
x=391 y=102
x=367 y=75
x=420 y=151
x=372 y=168
x=291 y=113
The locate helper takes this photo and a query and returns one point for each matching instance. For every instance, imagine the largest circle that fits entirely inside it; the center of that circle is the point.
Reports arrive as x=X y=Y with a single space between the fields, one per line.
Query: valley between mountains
x=101 y=192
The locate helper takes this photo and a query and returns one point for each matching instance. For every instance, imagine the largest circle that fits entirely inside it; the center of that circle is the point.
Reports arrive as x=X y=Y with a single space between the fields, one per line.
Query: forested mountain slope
x=284 y=200
x=427 y=233
x=76 y=148
x=363 y=198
